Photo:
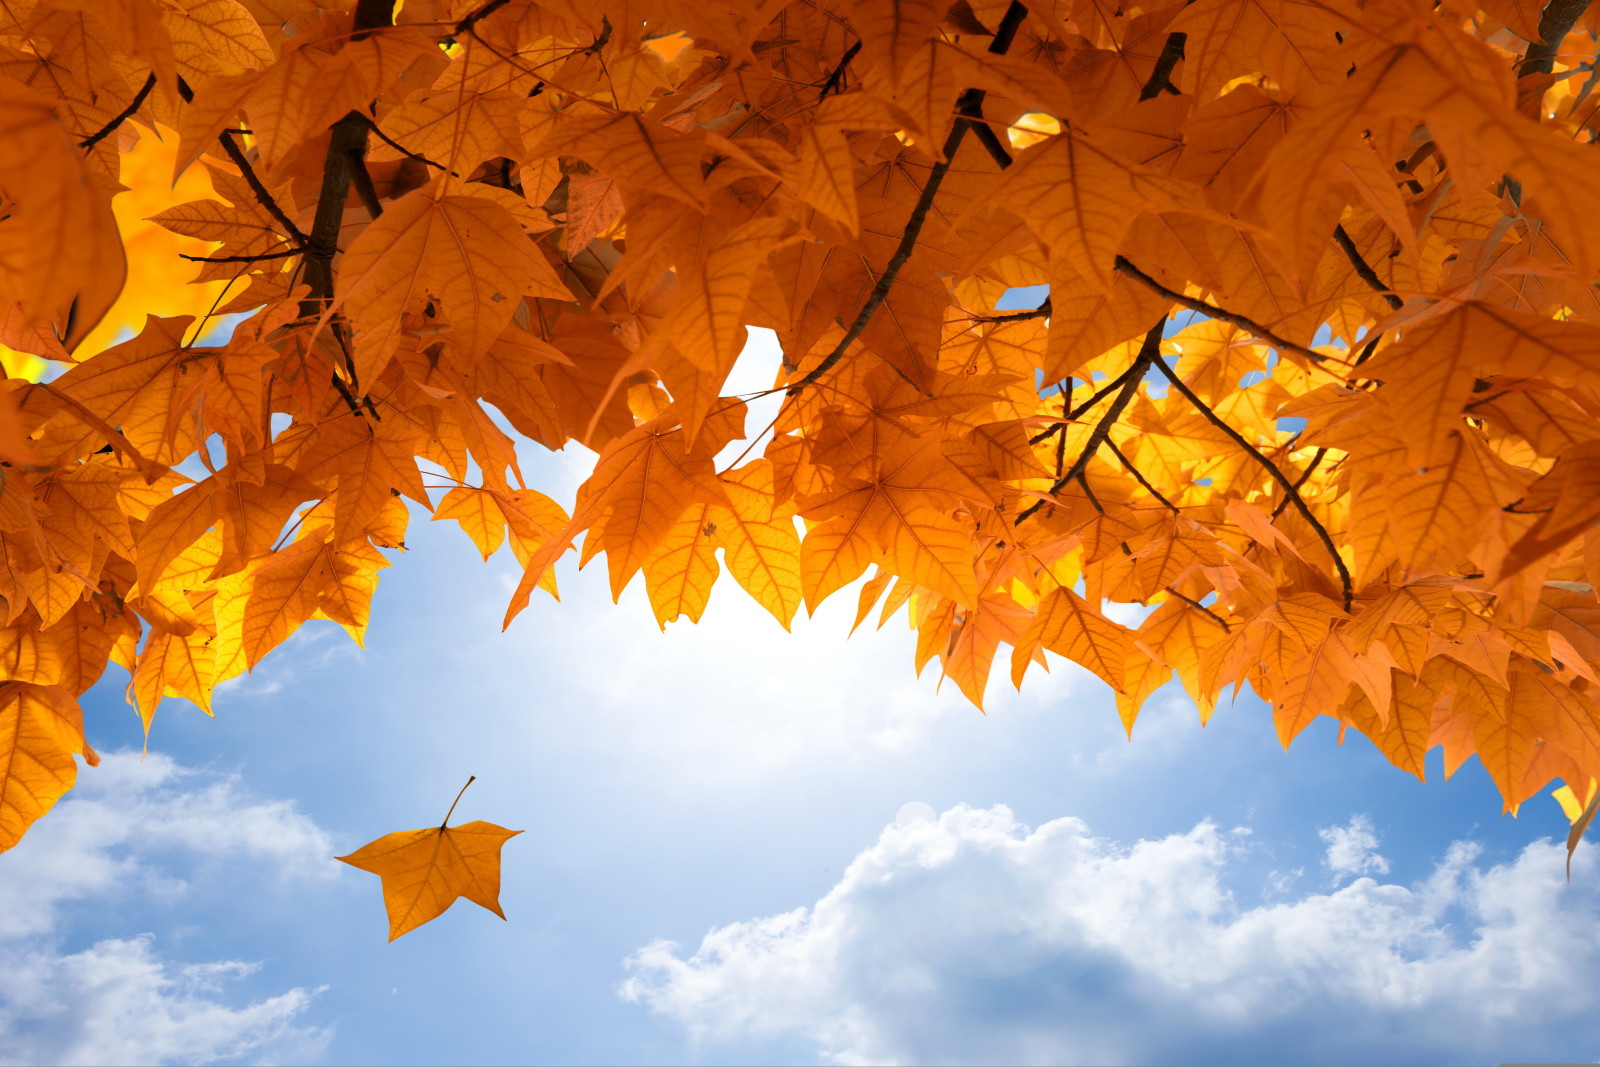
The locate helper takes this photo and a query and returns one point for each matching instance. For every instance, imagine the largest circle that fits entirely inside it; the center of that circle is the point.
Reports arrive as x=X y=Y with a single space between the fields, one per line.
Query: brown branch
x=970 y=105
x=1110 y=387
x=1040 y=312
x=362 y=179
x=1161 y=77
x=1305 y=476
x=991 y=144
x=1290 y=489
x=398 y=147
x=1554 y=24
x=285 y=254
x=248 y=172
x=1061 y=439
x=466 y=24
x=1196 y=605
x=836 y=79
x=347 y=148
x=1149 y=352
x=1138 y=476
x=122 y=116
x=1341 y=237
x=1249 y=325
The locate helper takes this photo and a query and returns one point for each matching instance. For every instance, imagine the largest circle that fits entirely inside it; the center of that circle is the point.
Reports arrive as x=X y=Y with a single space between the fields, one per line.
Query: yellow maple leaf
x=426 y=871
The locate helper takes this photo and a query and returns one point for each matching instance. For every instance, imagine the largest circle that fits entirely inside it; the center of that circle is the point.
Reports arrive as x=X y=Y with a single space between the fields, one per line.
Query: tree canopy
x=1311 y=367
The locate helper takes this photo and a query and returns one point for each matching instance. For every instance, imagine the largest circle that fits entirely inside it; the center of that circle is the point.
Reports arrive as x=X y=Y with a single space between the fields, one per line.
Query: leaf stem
x=470 y=779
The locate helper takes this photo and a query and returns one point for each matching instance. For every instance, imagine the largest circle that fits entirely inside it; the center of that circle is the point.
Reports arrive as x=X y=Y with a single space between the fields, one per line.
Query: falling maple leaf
x=426 y=871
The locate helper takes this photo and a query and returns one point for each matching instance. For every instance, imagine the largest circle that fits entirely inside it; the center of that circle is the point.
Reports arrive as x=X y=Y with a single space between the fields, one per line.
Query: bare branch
x=1248 y=325
x=122 y=116
x=1341 y=237
x=1040 y=312
x=1160 y=80
x=1291 y=489
x=970 y=105
x=1554 y=24
x=1149 y=352
x=836 y=79
x=1138 y=476
x=1105 y=391
x=285 y=254
x=248 y=172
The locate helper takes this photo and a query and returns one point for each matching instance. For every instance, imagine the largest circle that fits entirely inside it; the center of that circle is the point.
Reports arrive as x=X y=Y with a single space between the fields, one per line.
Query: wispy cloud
x=119 y=1001
x=974 y=938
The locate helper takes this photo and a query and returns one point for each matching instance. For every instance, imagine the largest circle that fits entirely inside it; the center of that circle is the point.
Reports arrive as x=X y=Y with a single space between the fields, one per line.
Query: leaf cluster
x=1315 y=379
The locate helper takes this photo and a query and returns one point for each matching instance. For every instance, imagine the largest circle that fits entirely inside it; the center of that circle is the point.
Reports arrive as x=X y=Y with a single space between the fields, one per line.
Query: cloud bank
x=120 y=1001
x=973 y=938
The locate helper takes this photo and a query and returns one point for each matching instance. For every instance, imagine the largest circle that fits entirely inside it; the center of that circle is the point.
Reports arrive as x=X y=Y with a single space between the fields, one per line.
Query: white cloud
x=119 y=1001
x=1353 y=849
x=974 y=938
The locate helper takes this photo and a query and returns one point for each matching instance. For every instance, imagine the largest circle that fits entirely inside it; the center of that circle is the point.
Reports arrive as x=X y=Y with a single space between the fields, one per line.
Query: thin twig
x=1061 y=439
x=122 y=116
x=285 y=254
x=398 y=147
x=1160 y=80
x=1040 y=312
x=1196 y=605
x=235 y=153
x=1272 y=470
x=466 y=24
x=836 y=79
x=1305 y=476
x=1250 y=325
x=971 y=104
x=1138 y=476
x=1341 y=237
x=1105 y=391
x=1149 y=352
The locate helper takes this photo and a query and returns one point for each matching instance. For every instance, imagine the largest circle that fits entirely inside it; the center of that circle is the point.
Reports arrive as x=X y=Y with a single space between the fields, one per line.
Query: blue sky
x=747 y=846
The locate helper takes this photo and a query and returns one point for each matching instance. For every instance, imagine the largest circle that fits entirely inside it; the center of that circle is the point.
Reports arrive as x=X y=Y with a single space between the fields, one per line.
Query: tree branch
x=1554 y=24
x=259 y=257
x=1040 y=312
x=347 y=149
x=1341 y=237
x=1305 y=476
x=1160 y=80
x=248 y=172
x=836 y=79
x=1105 y=391
x=1149 y=352
x=1211 y=310
x=971 y=103
x=1196 y=605
x=991 y=144
x=1138 y=476
x=1290 y=488
x=466 y=24
x=122 y=116
x=398 y=147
